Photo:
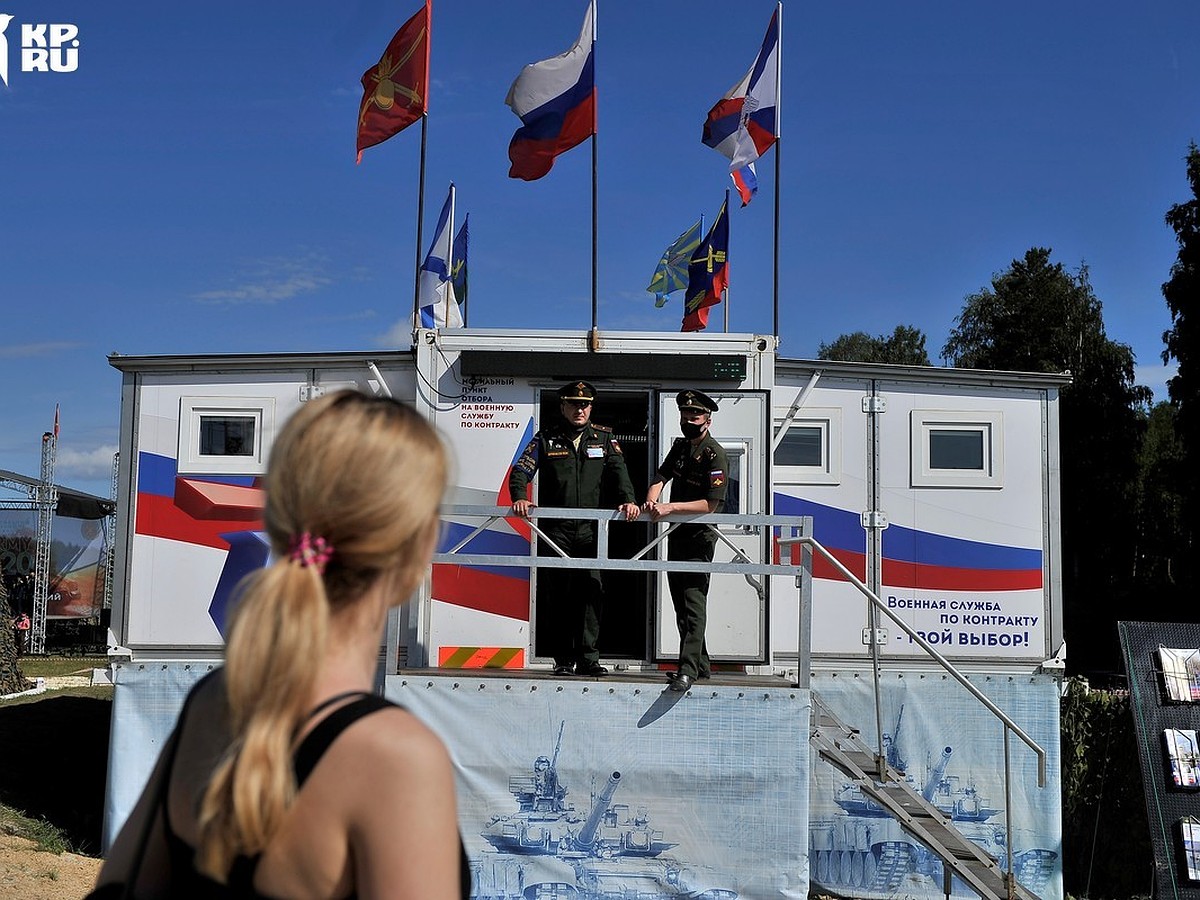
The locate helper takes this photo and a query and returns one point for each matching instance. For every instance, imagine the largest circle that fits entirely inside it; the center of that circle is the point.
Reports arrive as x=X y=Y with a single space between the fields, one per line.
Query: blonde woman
x=285 y=777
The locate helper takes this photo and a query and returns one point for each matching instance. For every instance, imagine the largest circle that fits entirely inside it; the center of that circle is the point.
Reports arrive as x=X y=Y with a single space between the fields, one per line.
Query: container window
x=957 y=448
x=802 y=445
x=225 y=435
x=735 y=489
x=952 y=448
x=809 y=450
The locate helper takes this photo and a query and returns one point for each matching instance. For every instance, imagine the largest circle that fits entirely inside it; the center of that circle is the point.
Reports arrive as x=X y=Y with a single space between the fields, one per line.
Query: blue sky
x=191 y=188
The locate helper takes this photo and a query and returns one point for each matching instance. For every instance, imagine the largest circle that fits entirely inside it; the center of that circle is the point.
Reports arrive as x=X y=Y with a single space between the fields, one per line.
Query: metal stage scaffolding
x=42 y=496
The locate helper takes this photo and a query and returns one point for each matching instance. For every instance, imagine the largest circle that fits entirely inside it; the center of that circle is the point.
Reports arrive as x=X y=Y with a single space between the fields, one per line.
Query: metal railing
x=1008 y=724
x=741 y=564
x=801 y=533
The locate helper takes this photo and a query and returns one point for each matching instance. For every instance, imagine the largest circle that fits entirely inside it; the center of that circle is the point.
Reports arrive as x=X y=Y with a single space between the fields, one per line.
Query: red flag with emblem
x=395 y=92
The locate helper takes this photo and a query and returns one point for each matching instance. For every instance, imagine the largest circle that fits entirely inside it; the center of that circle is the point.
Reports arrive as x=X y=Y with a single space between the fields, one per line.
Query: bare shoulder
x=390 y=773
x=393 y=740
x=394 y=792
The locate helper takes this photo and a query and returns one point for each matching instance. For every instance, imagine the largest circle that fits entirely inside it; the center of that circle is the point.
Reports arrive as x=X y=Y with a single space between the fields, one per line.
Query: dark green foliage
x=1106 y=841
x=1038 y=317
x=1163 y=556
x=1182 y=293
x=11 y=679
x=905 y=346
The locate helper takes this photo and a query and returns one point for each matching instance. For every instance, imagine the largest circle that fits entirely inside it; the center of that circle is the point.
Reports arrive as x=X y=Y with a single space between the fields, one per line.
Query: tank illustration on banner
x=607 y=852
x=863 y=848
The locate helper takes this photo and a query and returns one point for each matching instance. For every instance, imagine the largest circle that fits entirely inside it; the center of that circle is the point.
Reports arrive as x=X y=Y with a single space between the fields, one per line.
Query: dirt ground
x=30 y=874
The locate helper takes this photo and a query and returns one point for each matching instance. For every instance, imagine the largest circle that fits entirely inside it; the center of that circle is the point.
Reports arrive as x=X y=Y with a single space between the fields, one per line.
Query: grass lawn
x=50 y=666
x=92 y=692
x=45 y=835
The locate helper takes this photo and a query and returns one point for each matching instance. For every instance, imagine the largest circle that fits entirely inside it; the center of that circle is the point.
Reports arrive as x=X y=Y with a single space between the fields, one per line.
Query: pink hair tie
x=310 y=551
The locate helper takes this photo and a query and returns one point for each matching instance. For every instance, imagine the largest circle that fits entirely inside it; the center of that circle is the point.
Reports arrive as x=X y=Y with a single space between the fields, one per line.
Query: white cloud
x=1155 y=378
x=399 y=335
x=95 y=463
x=43 y=348
x=358 y=316
x=270 y=281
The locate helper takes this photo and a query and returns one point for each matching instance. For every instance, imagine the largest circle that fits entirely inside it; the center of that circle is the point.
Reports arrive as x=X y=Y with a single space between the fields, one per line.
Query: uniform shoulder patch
x=716 y=478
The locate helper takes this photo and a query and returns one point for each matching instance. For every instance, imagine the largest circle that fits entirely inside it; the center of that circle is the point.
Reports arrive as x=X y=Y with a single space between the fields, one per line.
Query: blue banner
x=595 y=790
x=951 y=749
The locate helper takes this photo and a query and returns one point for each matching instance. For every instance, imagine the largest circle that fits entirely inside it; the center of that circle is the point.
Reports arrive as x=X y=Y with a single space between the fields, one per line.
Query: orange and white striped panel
x=481 y=658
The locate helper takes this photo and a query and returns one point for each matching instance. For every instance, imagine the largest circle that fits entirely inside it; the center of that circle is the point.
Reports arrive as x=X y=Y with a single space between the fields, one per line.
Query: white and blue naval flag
x=438 y=305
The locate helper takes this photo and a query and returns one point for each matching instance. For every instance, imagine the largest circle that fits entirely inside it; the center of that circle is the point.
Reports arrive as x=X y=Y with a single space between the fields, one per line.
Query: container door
x=737 y=605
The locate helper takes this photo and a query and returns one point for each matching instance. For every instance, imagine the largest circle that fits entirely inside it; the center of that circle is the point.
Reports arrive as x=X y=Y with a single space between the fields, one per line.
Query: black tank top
x=191 y=883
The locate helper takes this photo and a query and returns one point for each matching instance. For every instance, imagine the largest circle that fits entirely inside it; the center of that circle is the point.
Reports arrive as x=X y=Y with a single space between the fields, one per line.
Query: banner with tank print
x=951 y=750
x=599 y=790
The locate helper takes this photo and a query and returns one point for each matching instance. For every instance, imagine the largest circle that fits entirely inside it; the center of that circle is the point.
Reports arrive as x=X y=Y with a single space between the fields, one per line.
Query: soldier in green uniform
x=581 y=466
x=699 y=469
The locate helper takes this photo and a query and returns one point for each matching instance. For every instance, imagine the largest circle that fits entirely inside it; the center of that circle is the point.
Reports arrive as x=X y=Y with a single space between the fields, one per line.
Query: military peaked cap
x=577 y=390
x=696 y=400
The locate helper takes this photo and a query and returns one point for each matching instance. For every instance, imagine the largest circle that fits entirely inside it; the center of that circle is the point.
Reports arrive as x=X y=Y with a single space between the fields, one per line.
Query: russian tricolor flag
x=742 y=125
x=556 y=100
x=745 y=180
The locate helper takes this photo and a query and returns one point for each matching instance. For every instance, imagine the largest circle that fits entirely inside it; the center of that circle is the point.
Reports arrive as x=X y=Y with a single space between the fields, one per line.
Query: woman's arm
x=404 y=832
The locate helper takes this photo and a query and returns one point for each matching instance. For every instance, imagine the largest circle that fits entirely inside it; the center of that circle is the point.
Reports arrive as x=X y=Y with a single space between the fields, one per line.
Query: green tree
x=1182 y=293
x=11 y=679
x=905 y=346
x=1106 y=841
x=1163 y=549
x=1038 y=317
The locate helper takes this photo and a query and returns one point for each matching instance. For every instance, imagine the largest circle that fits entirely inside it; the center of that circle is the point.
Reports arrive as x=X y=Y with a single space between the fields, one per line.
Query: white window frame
x=829 y=422
x=191 y=461
x=988 y=423
x=737 y=453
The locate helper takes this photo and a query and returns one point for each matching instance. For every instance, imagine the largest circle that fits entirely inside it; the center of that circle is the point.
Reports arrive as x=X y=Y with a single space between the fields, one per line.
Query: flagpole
x=728 y=245
x=595 y=134
x=420 y=216
x=449 y=261
x=463 y=302
x=778 y=167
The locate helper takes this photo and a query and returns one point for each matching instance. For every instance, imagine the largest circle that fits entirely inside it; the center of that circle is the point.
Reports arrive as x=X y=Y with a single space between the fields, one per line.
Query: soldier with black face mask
x=698 y=468
x=581 y=466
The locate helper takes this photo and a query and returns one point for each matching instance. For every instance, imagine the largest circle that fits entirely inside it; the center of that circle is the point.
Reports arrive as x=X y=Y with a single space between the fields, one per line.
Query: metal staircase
x=841 y=746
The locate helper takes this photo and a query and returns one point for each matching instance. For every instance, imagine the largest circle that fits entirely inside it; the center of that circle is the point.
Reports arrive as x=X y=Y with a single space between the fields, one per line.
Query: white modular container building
x=936 y=488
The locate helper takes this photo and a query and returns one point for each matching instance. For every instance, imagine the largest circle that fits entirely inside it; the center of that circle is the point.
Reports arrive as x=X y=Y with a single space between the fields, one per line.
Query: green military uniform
x=588 y=473
x=698 y=472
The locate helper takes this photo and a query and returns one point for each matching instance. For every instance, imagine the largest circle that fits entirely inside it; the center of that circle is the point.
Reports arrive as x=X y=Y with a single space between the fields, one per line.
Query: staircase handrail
x=946 y=665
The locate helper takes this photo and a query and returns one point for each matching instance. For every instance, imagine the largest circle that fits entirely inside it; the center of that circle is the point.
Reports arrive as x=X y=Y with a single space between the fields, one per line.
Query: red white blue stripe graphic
x=194 y=509
x=224 y=512
x=501 y=590
x=917 y=560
